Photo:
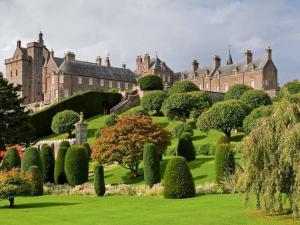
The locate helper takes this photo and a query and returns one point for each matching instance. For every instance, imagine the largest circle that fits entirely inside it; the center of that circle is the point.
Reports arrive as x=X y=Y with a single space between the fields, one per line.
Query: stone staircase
x=130 y=99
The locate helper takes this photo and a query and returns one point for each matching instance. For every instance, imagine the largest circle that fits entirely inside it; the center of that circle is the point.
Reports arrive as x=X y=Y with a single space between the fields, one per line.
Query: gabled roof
x=58 y=61
x=156 y=63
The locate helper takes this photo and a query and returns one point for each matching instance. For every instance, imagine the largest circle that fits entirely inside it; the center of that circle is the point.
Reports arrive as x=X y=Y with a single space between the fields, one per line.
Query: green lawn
x=123 y=210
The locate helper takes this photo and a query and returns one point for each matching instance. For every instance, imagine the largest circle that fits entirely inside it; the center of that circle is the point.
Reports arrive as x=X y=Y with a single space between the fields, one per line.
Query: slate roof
x=88 y=69
x=156 y=63
x=58 y=61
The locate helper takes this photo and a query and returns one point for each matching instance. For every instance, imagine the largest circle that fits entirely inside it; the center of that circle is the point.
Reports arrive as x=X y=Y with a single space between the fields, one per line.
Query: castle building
x=260 y=74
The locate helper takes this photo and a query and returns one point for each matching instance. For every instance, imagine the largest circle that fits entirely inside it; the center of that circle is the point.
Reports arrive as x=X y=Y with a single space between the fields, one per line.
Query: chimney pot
x=195 y=65
x=217 y=61
x=98 y=60
x=52 y=53
x=269 y=53
x=107 y=61
x=248 y=56
x=70 y=56
x=124 y=66
x=18 y=43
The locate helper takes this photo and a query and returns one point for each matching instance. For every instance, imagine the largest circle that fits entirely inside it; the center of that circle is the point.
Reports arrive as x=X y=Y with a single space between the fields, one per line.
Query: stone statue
x=81 y=120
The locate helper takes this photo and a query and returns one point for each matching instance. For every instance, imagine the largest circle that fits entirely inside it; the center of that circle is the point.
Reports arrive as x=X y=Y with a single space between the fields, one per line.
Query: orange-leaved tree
x=123 y=142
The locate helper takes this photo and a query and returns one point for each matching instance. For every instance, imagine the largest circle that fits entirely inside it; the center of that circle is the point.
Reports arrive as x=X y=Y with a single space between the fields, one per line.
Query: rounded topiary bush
x=150 y=82
x=236 y=91
x=88 y=149
x=186 y=148
x=48 y=161
x=111 y=119
x=183 y=87
x=224 y=162
x=11 y=159
x=181 y=128
x=178 y=180
x=31 y=158
x=76 y=165
x=99 y=182
x=59 y=168
x=36 y=180
x=256 y=98
x=64 y=122
x=151 y=164
x=223 y=140
x=64 y=144
x=153 y=101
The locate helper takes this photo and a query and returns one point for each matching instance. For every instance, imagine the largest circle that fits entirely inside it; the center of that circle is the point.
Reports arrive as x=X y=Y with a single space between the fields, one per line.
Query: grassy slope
x=122 y=210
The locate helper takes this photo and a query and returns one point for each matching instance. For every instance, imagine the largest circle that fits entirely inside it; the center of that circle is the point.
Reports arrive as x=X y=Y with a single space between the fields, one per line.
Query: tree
x=124 y=142
x=31 y=158
x=202 y=101
x=64 y=122
x=292 y=87
x=36 y=180
x=14 y=125
x=223 y=116
x=11 y=159
x=256 y=98
x=150 y=82
x=153 y=101
x=48 y=161
x=182 y=87
x=181 y=128
x=151 y=164
x=224 y=162
x=88 y=149
x=59 y=168
x=186 y=148
x=236 y=91
x=99 y=182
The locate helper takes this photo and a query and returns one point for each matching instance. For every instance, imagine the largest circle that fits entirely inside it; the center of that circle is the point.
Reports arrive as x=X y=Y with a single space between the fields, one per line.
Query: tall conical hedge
x=87 y=149
x=99 y=182
x=178 y=180
x=31 y=158
x=186 y=148
x=151 y=165
x=48 y=161
x=11 y=159
x=36 y=180
x=59 y=168
x=224 y=161
x=65 y=144
x=76 y=165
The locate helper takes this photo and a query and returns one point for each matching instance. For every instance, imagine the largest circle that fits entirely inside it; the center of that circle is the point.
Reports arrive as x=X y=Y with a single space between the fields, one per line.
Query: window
x=90 y=81
x=16 y=72
x=169 y=79
x=110 y=84
x=52 y=79
x=164 y=78
x=200 y=86
x=66 y=93
x=225 y=87
x=217 y=88
x=56 y=93
x=266 y=82
x=102 y=83
x=79 y=80
x=252 y=83
x=206 y=86
x=61 y=79
x=119 y=84
x=126 y=85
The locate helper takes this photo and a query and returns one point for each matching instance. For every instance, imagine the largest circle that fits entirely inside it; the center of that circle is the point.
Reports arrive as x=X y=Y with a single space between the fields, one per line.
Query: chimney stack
x=70 y=56
x=217 y=61
x=139 y=62
x=124 y=66
x=19 y=44
x=195 y=65
x=98 y=60
x=52 y=53
x=107 y=62
x=147 y=62
x=269 y=53
x=248 y=56
x=41 y=38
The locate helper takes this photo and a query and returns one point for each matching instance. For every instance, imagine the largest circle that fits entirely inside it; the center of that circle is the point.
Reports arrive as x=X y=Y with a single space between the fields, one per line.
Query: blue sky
x=178 y=30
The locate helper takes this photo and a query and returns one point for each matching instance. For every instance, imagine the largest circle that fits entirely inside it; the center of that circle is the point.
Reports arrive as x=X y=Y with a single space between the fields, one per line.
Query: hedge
x=151 y=82
x=151 y=164
x=48 y=161
x=90 y=103
x=59 y=168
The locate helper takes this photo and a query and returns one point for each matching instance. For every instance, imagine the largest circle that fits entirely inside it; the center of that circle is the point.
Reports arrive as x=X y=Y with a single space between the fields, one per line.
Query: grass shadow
x=200 y=177
x=163 y=125
x=198 y=137
x=91 y=133
x=198 y=162
x=237 y=138
x=39 y=205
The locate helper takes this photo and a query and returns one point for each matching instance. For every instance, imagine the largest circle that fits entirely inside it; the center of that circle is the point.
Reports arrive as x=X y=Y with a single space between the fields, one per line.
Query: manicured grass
x=123 y=210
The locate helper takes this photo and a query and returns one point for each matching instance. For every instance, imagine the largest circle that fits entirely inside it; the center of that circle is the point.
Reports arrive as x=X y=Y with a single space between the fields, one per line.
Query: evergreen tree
x=48 y=161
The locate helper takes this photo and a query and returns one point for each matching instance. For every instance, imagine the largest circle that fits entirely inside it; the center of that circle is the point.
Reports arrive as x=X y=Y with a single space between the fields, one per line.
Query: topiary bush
x=205 y=149
x=64 y=122
x=186 y=148
x=31 y=158
x=11 y=159
x=183 y=87
x=88 y=149
x=59 y=168
x=224 y=162
x=181 y=128
x=150 y=82
x=151 y=164
x=76 y=165
x=111 y=119
x=256 y=98
x=48 y=161
x=223 y=140
x=64 y=144
x=36 y=180
x=99 y=182
x=178 y=180
x=236 y=91
x=153 y=101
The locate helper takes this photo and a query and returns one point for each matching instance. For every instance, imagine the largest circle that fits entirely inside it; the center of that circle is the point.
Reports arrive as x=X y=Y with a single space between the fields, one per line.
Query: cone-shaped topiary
x=59 y=168
x=224 y=161
x=151 y=165
x=178 y=180
x=65 y=144
x=99 y=182
x=186 y=148
x=31 y=158
x=36 y=180
x=87 y=149
x=76 y=165
x=11 y=159
x=47 y=157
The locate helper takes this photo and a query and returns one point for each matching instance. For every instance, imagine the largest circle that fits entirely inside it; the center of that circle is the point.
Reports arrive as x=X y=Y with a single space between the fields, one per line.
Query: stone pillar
x=81 y=130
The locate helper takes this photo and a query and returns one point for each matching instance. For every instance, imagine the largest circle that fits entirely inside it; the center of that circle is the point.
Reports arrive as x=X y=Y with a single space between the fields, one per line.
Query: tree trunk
x=11 y=202
x=228 y=135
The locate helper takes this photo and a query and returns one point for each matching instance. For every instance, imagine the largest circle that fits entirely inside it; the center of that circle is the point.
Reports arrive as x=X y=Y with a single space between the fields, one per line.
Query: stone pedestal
x=81 y=131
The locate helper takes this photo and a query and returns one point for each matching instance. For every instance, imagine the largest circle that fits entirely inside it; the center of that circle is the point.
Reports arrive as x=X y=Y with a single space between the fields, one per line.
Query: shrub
x=224 y=162
x=150 y=82
x=151 y=164
x=186 y=148
x=88 y=149
x=256 y=98
x=76 y=165
x=205 y=149
x=153 y=101
x=236 y=91
x=90 y=103
x=36 y=180
x=202 y=101
x=178 y=180
x=64 y=122
x=137 y=111
x=59 y=168
x=97 y=133
x=223 y=140
x=48 y=161
x=11 y=159
x=182 y=87
x=292 y=87
x=111 y=119
x=31 y=158
x=181 y=128
x=64 y=144
x=99 y=182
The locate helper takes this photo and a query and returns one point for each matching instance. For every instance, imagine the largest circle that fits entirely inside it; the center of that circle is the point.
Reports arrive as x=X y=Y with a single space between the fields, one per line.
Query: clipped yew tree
x=64 y=122
x=64 y=144
x=88 y=149
x=59 y=168
x=183 y=87
x=11 y=159
x=123 y=143
x=153 y=101
x=181 y=128
x=151 y=164
x=48 y=161
x=150 y=82
x=31 y=158
x=186 y=148
x=99 y=182
x=36 y=180
x=236 y=91
x=256 y=98
x=224 y=162
x=178 y=180
x=76 y=165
